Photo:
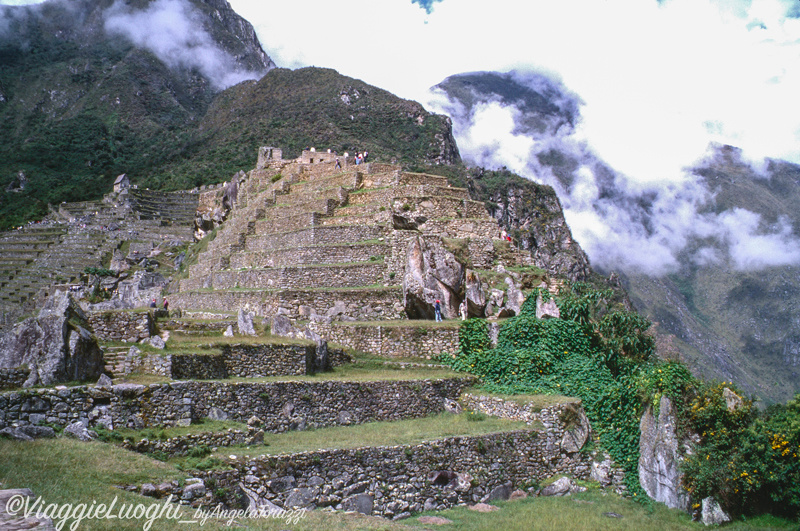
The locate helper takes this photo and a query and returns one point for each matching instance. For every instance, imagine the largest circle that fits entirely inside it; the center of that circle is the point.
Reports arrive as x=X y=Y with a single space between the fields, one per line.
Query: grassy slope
x=67 y=471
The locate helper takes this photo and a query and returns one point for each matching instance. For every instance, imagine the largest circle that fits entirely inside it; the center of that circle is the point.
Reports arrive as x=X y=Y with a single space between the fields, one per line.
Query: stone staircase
x=115 y=360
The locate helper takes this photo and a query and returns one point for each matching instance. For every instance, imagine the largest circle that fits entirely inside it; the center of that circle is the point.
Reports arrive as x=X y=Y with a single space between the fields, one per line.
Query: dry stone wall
x=180 y=446
x=198 y=366
x=122 y=325
x=363 y=305
x=394 y=481
x=11 y=378
x=313 y=236
x=280 y=405
x=330 y=254
x=391 y=341
x=237 y=360
x=300 y=277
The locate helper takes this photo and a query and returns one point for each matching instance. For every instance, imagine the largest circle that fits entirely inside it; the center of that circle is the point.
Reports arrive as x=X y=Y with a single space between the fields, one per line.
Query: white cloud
x=752 y=248
x=174 y=32
x=652 y=75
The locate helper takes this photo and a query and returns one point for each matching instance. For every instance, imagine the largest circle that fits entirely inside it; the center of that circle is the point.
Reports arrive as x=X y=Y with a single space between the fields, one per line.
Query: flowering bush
x=749 y=462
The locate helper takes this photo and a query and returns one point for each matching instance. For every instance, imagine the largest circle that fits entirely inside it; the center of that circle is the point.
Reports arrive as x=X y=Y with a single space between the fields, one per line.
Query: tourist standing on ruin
x=437 y=310
x=463 y=309
x=338 y=165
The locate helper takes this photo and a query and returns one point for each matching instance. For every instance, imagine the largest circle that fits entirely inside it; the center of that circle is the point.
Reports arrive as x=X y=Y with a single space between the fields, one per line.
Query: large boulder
x=712 y=514
x=515 y=298
x=280 y=325
x=475 y=294
x=659 y=473
x=245 y=323
x=547 y=309
x=576 y=435
x=432 y=273
x=57 y=345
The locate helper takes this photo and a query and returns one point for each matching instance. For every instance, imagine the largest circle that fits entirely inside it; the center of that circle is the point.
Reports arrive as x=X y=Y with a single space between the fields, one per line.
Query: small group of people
x=359 y=159
x=462 y=309
x=154 y=304
x=504 y=236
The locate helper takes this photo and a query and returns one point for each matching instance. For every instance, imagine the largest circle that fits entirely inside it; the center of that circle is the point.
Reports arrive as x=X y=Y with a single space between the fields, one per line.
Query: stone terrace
x=36 y=257
x=317 y=229
x=78 y=235
x=309 y=238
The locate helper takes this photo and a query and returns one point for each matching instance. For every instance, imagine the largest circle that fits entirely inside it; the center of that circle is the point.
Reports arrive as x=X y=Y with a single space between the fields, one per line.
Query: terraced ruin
x=343 y=265
x=38 y=257
x=359 y=253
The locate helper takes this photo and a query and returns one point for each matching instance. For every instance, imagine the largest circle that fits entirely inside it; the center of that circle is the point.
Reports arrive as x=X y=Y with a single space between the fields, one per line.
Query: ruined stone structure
x=364 y=243
x=38 y=257
x=395 y=481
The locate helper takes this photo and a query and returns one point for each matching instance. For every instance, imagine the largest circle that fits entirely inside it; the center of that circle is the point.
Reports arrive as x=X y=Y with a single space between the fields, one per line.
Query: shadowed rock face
x=58 y=345
x=432 y=273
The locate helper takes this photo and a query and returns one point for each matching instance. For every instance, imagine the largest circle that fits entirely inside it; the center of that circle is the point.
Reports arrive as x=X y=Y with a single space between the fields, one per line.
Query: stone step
x=25 y=244
x=31 y=234
x=408 y=178
x=358 y=213
x=317 y=235
x=15 y=261
x=291 y=221
x=280 y=212
x=307 y=255
x=317 y=276
x=362 y=303
x=349 y=180
x=387 y=194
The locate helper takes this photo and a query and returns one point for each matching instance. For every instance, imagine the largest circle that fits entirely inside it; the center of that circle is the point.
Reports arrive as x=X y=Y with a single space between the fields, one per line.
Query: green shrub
x=108 y=436
x=748 y=462
x=99 y=271
x=598 y=353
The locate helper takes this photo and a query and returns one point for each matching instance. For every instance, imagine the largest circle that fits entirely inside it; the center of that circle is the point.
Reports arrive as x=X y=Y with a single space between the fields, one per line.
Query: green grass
x=583 y=511
x=405 y=432
x=539 y=402
x=67 y=471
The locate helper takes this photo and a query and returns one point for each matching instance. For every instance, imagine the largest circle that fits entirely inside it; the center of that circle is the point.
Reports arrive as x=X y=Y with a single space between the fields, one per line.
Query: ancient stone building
x=369 y=243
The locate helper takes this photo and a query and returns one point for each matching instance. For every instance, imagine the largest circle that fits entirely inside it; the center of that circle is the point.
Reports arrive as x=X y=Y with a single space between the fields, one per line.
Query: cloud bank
x=174 y=32
x=635 y=226
x=658 y=83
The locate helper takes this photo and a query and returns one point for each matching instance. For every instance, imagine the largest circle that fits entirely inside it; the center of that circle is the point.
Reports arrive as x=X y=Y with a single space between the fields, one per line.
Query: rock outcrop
x=57 y=346
x=16 y=520
x=432 y=273
x=659 y=474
